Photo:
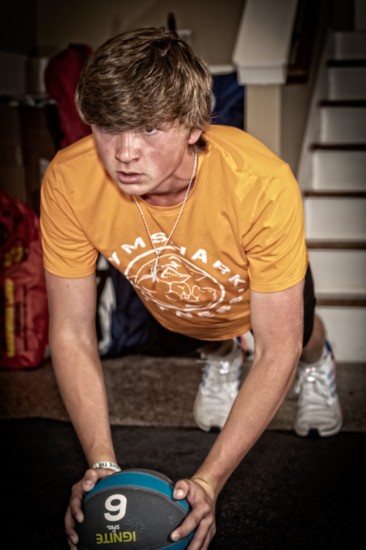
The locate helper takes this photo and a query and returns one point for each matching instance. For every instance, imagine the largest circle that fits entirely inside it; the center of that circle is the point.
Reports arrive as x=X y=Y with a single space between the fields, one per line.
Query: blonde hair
x=143 y=78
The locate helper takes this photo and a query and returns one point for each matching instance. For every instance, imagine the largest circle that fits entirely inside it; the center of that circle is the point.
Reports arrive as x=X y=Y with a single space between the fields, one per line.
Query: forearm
x=80 y=379
x=260 y=397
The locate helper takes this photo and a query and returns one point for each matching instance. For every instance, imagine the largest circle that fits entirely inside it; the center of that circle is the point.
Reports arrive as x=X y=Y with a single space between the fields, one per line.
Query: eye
x=150 y=130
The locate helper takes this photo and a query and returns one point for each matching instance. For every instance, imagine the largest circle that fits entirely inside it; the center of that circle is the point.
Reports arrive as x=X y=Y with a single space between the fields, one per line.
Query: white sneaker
x=218 y=388
x=318 y=405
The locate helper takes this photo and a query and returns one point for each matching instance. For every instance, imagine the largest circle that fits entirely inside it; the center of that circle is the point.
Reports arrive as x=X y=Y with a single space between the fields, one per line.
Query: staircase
x=332 y=176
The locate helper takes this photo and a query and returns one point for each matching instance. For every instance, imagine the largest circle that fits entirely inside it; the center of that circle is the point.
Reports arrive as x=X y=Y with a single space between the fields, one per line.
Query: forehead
x=174 y=127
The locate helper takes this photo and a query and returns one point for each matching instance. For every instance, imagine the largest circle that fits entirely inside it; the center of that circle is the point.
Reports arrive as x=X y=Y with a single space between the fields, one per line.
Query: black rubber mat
x=289 y=493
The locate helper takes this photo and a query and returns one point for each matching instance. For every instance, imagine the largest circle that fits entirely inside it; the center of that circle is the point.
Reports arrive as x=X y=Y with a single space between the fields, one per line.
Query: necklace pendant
x=154 y=269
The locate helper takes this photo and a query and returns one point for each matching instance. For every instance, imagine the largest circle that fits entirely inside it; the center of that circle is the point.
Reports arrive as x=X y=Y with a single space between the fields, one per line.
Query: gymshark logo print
x=180 y=285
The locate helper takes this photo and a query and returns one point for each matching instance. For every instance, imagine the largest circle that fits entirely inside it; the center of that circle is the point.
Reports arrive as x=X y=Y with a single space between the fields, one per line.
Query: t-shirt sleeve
x=67 y=252
x=275 y=243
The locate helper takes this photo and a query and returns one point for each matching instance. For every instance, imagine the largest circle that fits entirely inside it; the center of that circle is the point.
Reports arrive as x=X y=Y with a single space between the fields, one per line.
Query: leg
x=217 y=348
x=222 y=368
x=318 y=405
x=313 y=350
x=220 y=383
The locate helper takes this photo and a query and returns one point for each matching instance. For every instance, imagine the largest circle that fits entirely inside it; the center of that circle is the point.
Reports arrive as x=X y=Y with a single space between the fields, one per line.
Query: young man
x=207 y=225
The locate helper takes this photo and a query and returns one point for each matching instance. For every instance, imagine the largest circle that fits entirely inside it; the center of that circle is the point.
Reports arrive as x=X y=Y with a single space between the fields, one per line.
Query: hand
x=202 y=499
x=74 y=512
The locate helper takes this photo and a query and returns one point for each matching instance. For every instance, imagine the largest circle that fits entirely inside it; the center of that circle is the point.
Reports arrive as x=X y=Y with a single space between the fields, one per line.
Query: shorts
x=164 y=343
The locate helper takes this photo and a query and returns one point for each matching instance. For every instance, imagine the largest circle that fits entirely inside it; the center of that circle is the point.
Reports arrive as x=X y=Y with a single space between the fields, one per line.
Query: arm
x=277 y=322
x=78 y=370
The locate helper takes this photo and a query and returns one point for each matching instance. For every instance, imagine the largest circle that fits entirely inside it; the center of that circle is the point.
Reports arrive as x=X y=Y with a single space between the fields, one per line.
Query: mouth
x=128 y=177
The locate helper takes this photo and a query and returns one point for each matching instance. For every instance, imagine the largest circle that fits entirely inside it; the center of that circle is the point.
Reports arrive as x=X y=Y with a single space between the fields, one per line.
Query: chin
x=130 y=189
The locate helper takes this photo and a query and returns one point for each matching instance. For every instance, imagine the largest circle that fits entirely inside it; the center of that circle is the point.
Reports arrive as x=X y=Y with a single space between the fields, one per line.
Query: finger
x=203 y=535
x=181 y=489
x=88 y=484
x=201 y=518
x=75 y=507
x=72 y=537
x=78 y=492
x=186 y=528
x=201 y=515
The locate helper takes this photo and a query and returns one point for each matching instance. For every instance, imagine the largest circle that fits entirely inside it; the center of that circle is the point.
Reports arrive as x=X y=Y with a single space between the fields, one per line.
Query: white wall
x=214 y=23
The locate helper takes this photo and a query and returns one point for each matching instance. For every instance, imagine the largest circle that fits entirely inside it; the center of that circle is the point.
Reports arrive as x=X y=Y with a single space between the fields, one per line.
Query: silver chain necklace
x=158 y=252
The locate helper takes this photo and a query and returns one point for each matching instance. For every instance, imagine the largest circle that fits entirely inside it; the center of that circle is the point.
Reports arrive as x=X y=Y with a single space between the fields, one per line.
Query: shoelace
x=321 y=384
x=218 y=371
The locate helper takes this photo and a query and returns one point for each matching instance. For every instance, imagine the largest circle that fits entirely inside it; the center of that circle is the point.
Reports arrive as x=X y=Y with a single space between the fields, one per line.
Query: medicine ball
x=132 y=509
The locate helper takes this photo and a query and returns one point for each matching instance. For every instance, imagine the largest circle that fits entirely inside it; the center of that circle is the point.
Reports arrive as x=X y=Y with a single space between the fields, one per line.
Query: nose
x=127 y=147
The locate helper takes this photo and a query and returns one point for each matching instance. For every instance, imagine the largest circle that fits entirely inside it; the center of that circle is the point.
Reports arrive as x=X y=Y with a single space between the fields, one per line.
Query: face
x=153 y=162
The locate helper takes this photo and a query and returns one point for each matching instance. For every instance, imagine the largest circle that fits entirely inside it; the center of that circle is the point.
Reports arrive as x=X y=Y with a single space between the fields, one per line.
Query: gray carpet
x=146 y=391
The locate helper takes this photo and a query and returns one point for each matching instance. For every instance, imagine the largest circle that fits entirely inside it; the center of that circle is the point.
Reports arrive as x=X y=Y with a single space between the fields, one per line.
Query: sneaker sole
x=321 y=432
x=209 y=429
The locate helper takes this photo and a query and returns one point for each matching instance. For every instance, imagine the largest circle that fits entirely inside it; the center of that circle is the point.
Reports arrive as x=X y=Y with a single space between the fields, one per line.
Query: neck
x=176 y=192
x=171 y=198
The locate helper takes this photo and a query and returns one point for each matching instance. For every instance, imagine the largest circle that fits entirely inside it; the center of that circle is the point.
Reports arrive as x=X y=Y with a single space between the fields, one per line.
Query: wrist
x=107 y=465
x=211 y=481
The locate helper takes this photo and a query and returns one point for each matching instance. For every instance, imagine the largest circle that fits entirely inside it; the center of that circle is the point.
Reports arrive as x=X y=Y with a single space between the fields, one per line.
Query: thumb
x=181 y=489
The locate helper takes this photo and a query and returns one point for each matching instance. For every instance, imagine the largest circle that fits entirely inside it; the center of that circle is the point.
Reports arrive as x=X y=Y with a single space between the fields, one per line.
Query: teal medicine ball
x=132 y=509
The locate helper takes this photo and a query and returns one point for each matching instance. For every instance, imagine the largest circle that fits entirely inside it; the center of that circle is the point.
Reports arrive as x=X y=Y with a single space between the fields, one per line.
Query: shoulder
x=229 y=136
x=76 y=171
x=243 y=149
x=81 y=152
x=245 y=156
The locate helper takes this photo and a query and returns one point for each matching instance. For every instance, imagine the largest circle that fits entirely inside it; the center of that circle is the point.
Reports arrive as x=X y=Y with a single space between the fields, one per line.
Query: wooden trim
x=343 y=194
x=303 y=41
x=354 y=103
x=346 y=63
x=338 y=147
x=341 y=300
x=313 y=244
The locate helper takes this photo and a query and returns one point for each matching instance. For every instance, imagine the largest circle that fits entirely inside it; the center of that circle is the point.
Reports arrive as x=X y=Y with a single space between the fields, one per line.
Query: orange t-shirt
x=242 y=228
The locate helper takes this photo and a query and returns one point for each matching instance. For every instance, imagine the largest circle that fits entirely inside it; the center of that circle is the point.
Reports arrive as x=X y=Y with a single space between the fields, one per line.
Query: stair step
x=335 y=203
x=346 y=79
x=344 y=125
x=350 y=45
x=338 y=146
x=339 y=271
x=314 y=244
x=349 y=63
x=354 y=103
x=341 y=300
x=341 y=193
x=339 y=166
x=345 y=329
x=335 y=218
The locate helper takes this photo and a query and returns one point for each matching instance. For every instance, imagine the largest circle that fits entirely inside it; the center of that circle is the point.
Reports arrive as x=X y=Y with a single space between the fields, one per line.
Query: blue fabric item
x=228 y=106
x=129 y=319
x=122 y=319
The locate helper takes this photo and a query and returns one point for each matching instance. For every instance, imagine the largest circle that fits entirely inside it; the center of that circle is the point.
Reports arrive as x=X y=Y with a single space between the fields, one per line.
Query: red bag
x=61 y=78
x=23 y=299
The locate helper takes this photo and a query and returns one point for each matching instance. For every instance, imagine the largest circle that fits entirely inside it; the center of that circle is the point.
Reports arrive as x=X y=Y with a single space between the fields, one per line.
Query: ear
x=194 y=136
